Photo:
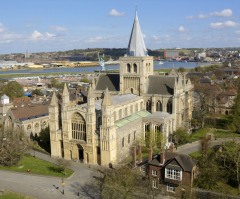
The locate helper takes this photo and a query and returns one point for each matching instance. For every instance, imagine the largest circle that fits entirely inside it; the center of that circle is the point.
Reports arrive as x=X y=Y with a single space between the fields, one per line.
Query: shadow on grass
x=55 y=169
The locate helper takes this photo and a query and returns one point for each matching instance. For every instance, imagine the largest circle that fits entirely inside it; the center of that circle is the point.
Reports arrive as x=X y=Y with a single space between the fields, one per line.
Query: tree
x=205 y=145
x=37 y=92
x=121 y=183
x=63 y=164
x=44 y=135
x=13 y=89
x=194 y=79
x=181 y=69
x=13 y=144
x=204 y=100
x=220 y=74
x=235 y=111
x=181 y=135
x=85 y=80
x=152 y=138
x=54 y=82
x=231 y=155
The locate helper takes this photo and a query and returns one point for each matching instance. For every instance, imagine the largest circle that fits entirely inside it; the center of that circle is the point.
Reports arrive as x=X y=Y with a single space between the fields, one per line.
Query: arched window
x=147 y=127
x=131 y=91
x=136 y=107
x=157 y=128
x=36 y=129
x=10 y=123
x=159 y=106
x=44 y=125
x=128 y=138
x=120 y=113
x=123 y=142
x=135 y=68
x=169 y=106
x=141 y=105
x=126 y=112
x=148 y=106
x=78 y=127
x=99 y=121
x=128 y=68
x=29 y=130
x=131 y=109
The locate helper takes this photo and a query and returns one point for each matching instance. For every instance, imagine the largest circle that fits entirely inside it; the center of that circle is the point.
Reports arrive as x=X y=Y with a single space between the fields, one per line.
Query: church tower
x=136 y=65
x=107 y=132
x=55 y=137
x=91 y=126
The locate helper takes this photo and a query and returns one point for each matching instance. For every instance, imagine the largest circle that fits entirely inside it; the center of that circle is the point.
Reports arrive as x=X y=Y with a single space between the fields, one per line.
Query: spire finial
x=136 y=6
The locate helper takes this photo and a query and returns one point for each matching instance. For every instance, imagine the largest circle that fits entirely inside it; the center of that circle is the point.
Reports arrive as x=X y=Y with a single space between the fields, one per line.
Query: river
x=166 y=65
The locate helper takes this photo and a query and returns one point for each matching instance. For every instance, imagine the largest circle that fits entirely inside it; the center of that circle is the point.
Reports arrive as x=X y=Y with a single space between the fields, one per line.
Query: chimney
x=149 y=154
x=134 y=157
x=162 y=156
x=172 y=148
x=139 y=153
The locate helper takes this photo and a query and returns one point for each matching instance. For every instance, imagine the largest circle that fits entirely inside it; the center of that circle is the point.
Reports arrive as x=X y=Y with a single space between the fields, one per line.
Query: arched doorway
x=80 y=153
x=78 y=125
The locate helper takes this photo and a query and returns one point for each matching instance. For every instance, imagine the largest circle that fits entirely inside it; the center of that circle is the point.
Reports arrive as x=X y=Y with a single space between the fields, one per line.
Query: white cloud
x=189 y=17
x=6 y=41
x=57 y=28
x=166 y=36
x=154 y=37
x=115 y=13
x=202 y=16
x=116 y=25
x=225 y=24
x=30 y=25
x=144 y=36
x=237 y=32
x=93 y=39
x=50 y=35
x=33 y=19
x=224 y=13
x=182 y=29
x=2 y=28
x=100 y=38
x=36 y=35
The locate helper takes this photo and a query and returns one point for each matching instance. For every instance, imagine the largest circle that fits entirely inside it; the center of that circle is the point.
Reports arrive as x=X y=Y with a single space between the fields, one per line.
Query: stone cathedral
x=120 y=108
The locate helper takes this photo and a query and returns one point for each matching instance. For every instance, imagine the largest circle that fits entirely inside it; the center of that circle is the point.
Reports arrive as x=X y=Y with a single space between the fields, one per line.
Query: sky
x=59 y=25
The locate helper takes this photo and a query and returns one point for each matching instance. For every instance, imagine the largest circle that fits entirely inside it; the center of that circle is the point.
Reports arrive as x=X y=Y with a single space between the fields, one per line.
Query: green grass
x=13 y=195
x=197 y=154
x=38 y=166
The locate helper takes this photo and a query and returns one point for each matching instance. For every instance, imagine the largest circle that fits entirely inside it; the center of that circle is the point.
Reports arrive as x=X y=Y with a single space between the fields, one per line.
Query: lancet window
x=159 y=106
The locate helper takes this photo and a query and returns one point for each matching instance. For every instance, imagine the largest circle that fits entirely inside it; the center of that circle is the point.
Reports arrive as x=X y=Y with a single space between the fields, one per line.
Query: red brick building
x=169 y=169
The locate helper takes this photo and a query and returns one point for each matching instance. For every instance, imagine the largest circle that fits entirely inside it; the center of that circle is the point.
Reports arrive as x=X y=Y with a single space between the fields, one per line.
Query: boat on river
x=161 y=63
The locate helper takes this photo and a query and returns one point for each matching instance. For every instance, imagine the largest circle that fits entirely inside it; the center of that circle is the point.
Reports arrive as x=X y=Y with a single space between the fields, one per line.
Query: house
x=168 y=168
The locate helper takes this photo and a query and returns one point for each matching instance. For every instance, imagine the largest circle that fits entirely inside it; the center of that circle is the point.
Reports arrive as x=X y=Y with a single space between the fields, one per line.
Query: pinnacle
x=107 y=100
x=54 y=100
x=65 y=90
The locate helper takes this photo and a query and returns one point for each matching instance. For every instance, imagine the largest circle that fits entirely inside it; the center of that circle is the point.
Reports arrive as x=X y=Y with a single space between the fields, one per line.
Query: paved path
x=51 y=187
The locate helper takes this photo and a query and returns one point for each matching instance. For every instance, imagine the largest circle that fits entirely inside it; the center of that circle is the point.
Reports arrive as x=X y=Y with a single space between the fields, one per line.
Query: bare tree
x=13 y=144
x=205 y=145
x=204 y=100
x=63 y=164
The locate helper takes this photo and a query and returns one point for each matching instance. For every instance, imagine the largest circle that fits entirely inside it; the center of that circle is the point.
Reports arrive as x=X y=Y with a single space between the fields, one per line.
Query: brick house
x=169 y=169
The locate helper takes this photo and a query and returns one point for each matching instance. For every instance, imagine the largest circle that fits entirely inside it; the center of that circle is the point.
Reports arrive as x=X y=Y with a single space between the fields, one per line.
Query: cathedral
x=120 y=108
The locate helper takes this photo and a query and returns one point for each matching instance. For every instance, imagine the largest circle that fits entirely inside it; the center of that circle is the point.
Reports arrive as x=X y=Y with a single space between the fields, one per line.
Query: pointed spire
x=93 y=83
x=107 y=100
x=136 y=45
x=90 y=92
x=54 y=100
x=65 y=90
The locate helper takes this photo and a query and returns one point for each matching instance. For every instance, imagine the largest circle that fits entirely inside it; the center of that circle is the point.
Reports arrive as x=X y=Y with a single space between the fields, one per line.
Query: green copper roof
x=131 y=118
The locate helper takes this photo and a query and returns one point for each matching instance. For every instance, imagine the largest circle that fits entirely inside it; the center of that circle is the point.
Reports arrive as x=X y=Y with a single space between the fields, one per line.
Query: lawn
x=13 y=195
x=219 y=121
x=38 y=166
x=199 y=133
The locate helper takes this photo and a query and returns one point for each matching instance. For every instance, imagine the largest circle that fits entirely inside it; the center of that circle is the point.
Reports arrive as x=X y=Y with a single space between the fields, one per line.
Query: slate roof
x=126 y=120
x=205 y=80
x=185 y=162
x=163 y=85
x=110 y=81
x=117 y=100
x=201 y=75
x=159 y=115
x=29 y=110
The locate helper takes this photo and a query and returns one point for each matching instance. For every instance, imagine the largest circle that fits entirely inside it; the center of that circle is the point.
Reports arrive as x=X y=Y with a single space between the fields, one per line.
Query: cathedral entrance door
x=80 y=153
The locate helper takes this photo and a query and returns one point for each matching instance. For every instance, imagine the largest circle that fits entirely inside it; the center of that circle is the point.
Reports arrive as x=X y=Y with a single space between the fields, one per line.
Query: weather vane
x=136 y=6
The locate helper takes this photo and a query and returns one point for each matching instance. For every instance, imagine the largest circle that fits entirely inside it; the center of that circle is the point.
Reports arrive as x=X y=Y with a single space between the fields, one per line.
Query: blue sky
x=57 y=25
